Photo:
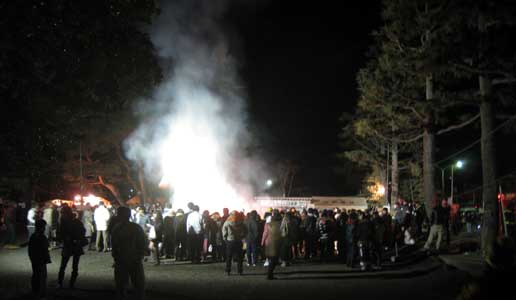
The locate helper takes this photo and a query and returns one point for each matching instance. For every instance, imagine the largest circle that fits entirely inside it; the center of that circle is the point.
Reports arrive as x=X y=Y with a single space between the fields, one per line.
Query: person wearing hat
x=39 y=258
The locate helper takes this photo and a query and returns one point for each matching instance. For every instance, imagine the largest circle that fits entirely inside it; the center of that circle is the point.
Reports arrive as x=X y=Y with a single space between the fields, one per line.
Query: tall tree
x=484 y=57
x=66 y=67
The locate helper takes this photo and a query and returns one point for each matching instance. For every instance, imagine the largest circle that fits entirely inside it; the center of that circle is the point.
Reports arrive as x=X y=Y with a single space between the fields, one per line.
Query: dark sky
x=300 y=63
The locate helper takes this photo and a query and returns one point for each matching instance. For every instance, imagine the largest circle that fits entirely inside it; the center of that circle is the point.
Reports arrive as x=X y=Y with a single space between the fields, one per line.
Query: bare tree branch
x=458 y=126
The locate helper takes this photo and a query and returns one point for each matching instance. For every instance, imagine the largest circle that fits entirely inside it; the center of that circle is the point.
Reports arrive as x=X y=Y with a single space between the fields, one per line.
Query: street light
x=458 y=165
x=269 y=182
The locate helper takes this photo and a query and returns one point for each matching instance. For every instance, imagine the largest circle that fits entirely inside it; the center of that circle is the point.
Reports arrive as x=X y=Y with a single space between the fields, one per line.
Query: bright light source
x=194 y=166
x=77 y=198
x=381 y=190
x=92 y=200
x=269 y=182
x=459 y=164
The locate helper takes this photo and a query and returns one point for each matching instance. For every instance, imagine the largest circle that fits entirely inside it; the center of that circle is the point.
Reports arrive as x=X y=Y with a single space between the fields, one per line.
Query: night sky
x=300 y=63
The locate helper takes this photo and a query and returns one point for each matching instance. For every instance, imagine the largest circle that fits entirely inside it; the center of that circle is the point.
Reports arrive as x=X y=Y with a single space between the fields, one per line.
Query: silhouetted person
x=271 y=240
x=194 y=234
x=39 y=258
x=72 y=232
x=129 y=243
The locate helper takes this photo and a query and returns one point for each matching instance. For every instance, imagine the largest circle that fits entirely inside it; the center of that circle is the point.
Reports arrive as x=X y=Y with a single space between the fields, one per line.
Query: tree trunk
x=429 y=150
x=489 y=197
x=428 y=169
x=141 y=179
x=394 y=173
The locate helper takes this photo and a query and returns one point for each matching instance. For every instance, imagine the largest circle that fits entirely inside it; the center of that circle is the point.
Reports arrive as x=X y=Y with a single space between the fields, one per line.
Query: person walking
x=271 y=241
x=39 y=258
x=72 y=232
x=101 y=217
x=128 y=244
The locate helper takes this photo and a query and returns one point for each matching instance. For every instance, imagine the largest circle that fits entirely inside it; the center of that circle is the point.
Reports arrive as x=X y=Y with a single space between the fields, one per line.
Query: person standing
x=156 y=235
x=311 y=234
x=437 y=222
x=128 y=244
x=47 y=216
x=379 y=233
x=251 y=238
x=168 y=234
x=194 y=231
x=39 y=258
x=180 y=235
x=209 y=229
x=271 y=240
x=351 y=238
x=31 y=219
x=233 y=232
x=446 y=225
x=101 y=217
x=87 y=220
x=72 y=232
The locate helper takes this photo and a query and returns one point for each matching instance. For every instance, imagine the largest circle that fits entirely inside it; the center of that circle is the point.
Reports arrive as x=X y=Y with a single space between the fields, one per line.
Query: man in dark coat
x=365 y=237
x=379 y=233
x=129 y=243
x=72 y=233
x=311 y=233
x=180 y=235
x=168 y=234
x=39 y=258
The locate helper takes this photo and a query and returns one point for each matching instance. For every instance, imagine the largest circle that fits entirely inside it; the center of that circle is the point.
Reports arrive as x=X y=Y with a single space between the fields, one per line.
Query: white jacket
x=101 y=217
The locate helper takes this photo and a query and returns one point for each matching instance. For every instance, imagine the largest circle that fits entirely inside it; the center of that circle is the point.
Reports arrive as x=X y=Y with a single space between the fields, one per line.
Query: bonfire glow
x=193 y=166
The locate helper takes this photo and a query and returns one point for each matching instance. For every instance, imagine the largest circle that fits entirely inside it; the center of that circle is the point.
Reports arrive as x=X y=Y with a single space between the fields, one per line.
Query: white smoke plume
x=195 y=123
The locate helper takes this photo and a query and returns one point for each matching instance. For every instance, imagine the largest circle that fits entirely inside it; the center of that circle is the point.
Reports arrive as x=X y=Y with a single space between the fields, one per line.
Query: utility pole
x=80 y=170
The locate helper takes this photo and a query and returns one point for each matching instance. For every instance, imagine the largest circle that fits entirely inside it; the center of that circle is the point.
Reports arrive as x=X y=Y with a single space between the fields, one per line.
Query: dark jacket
x=310 y=225
x=168 y=227
x=38 y=249
x=350 y=233
x=72 y=232
x=439 y=216
x=379 y=229
x=180 y=227
x=129 y=243
x=252 y=230
x=365 y=230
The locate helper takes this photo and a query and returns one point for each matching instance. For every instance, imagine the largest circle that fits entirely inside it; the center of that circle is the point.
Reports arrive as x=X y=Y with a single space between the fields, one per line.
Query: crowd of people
x=358 y=238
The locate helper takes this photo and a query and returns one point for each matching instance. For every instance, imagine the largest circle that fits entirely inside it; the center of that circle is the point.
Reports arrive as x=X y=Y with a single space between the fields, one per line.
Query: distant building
x=318 y=202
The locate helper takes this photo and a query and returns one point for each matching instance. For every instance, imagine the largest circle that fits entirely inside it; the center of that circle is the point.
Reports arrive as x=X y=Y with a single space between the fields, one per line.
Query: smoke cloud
x=195 y=124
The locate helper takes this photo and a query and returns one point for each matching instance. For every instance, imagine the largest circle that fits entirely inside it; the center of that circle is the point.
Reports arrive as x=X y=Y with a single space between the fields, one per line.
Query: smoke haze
x=194 y=129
